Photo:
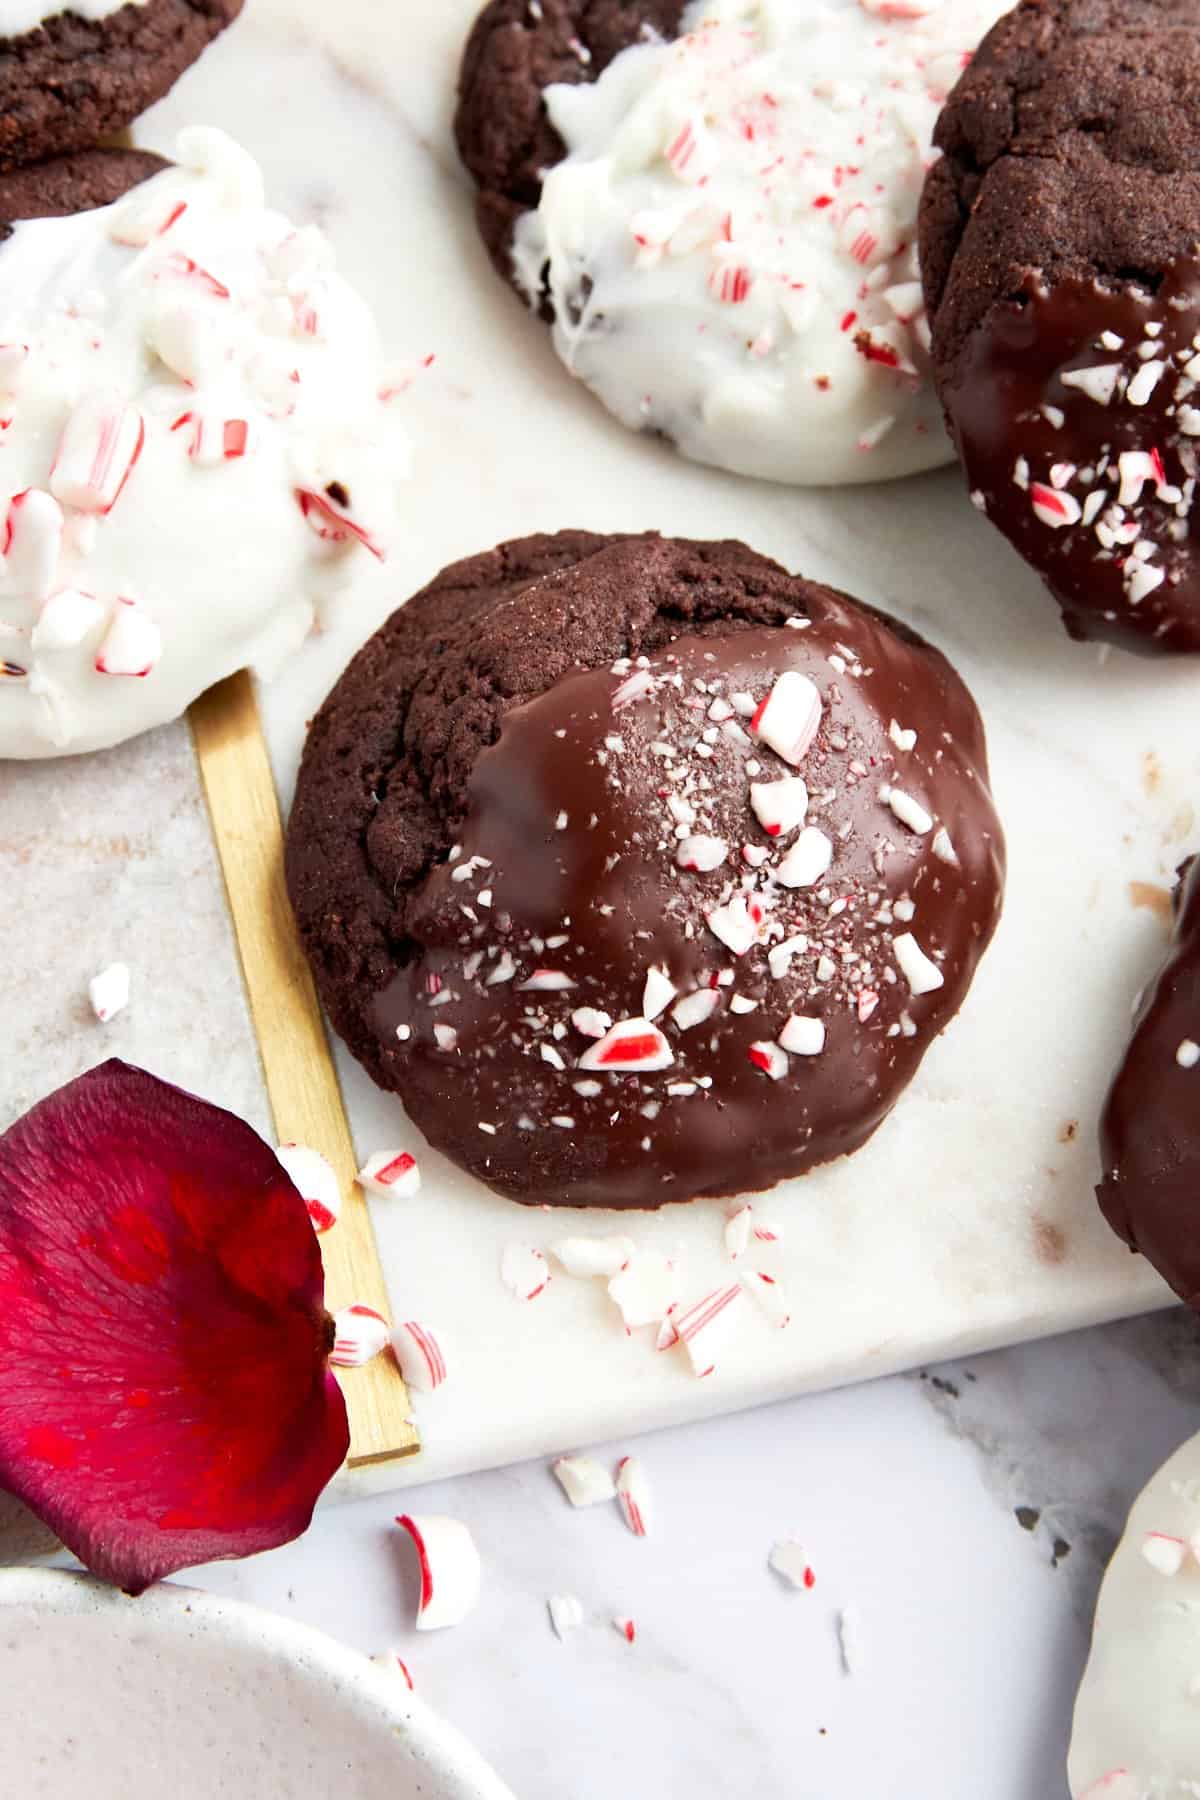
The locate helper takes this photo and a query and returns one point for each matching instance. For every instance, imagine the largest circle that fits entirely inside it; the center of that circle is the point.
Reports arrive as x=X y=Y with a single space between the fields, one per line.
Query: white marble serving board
x=969 y=1221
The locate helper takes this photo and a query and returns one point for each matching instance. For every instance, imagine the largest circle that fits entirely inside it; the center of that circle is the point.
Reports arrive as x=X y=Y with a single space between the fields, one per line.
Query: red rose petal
x=165 y=1397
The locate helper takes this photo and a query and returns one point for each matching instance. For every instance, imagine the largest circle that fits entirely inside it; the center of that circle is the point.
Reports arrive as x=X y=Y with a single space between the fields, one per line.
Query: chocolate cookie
x=1150 y=1128
x=70 y=81
x=1060 y=247
x=72 y=184
x=641 y=869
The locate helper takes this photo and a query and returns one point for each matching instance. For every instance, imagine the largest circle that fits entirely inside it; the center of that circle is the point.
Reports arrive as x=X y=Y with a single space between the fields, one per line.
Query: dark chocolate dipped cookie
x=641 y=869
x=1150 y=1128
x=69 y=82
x=1060 y=248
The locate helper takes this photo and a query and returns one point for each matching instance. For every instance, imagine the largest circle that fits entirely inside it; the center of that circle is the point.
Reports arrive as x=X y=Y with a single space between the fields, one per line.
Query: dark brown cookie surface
x=1059 y=240
x=616 y=934
x=73 y=82
x=1150 y=1129
x=514 y=52
x=73 y=184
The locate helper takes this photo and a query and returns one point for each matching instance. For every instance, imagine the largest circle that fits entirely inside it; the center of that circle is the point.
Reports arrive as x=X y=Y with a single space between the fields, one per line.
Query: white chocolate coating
x=731 y=236
x=17 y=16
x=1136 y=1734
x=184 y=384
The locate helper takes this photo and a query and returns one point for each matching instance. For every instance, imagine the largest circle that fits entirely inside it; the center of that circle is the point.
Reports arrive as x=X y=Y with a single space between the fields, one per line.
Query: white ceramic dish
x=186 y=1696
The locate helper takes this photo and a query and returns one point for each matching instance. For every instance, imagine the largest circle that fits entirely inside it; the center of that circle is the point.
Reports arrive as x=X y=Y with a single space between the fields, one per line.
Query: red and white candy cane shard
x=627 y=1629
x=586 y=1257
x=770 y=1059
x=635 y=687
x=187 y=269
x=589 y=1021
x=807 y=861
x=360 y=1335
x=1054 y=507
x=132 y=644
x=32 y=542
x=704 y=1329
x=391 y=1172
x=524 y=1271
x=696 y=1009
x=392 y=1663
x=1163 y=1553
x=768 y=1295
x=546 y=981
x=788 y=1560
x=646 y=1289
x=849 y=1629
x=766 y=1234
x=66 y=619
x=633 y=1044
x=658 y=992
x=780 y=807
x=451 y=1573
x=633 y=1493
x=566 y=1614
x=108 y=992
x=734 y=925
x=789 y=718
x=140 y=221
x=97 y=452
x=313 y=1175
x=421 y=1356
x=583 y=1480
x=737 y=1231
x=334 y=524
x=667 y=1337
x=701 y=855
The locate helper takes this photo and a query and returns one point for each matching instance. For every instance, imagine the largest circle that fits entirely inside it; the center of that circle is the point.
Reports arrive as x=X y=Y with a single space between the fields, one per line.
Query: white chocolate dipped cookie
x=727 y=244
x=196 y=448
x=1136 y=1734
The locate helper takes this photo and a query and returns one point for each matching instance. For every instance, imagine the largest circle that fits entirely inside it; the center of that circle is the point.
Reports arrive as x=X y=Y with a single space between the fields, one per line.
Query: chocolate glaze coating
x=476 y=804
x=73 y=82
x=513 y=54
x=1150 y=1127
x=1069 y=193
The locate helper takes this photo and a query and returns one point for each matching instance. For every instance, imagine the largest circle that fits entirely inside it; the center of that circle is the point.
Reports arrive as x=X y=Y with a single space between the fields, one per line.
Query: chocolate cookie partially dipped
x=1060 y=247
x=641 y=869
x=1150 y=1128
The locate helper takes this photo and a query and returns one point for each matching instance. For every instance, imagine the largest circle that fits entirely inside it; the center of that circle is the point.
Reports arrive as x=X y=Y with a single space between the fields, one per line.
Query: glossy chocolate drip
x=1038 y=447
x=1150 y=1128
x=567 y=864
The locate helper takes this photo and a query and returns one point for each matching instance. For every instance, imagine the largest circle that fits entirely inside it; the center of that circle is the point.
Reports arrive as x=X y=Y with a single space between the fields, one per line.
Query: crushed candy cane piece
x=1166 y=1554
x=633 y=1044
x=566 y=1614
x=421 y=1356
x=590 y=1022
x=695 y=1009
x=66 y=619
x=360 y=1335
x=780 y=806
x=790 y=716
x=807 y=860
x=920 y=971
x=803 y=1036
x=701 y=854
x=788 y=1560
x=524 y=1271
x=768 y=1295
x=737 y=1232
x=704 y=1328
x=633 y=1493
x=734 y=924
x=131 y=645
x=646 y=1289
x=312 y=1174
x=910 y=812
x=627 y=1629
x=108 y=991
x=583 y=1480
x=1118 y=1784
x=100 y=444
x=585 y=1257
x=770 y=1058
x=392 y=1172
x=451 y=1573
x=392 y=1663
x=659 y=992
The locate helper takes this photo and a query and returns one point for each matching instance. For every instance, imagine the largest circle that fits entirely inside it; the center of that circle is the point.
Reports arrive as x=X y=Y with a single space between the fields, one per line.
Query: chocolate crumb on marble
x=1060 y=248
x=642 y=869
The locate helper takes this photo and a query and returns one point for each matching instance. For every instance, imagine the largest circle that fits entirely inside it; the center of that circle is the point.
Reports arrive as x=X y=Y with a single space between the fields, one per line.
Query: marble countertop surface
x=962 y=1513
